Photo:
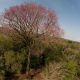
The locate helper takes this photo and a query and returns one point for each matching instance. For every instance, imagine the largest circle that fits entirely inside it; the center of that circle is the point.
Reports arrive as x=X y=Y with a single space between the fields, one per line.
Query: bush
x=54 y=53
x=69 y=71
x=5 y=43
x=13 y=61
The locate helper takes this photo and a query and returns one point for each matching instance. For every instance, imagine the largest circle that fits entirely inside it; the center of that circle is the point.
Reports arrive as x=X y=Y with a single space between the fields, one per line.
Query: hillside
x=66 y=65
x=62 y=60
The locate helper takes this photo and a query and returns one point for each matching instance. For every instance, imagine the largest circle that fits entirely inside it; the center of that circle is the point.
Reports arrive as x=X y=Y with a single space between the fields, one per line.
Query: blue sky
x=68 y=12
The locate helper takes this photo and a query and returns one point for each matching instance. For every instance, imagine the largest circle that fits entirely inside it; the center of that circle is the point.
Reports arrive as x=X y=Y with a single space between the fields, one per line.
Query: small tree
x=33 y=25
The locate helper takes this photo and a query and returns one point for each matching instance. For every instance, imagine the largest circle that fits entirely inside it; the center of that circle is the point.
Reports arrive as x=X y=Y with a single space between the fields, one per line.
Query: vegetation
x=62 y=57
x=33 y=48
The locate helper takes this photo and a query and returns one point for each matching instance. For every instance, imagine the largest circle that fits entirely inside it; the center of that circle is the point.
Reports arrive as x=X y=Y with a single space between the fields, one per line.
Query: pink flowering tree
x=34 y=23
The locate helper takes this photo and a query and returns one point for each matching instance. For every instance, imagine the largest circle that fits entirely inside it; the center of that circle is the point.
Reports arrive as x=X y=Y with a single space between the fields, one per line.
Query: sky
x=68 y=12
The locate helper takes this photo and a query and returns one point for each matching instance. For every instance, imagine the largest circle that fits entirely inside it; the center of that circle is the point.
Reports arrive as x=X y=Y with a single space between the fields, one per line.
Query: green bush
x=5 y=43
x=13 y=61
x=54 y=53
x=69 y=70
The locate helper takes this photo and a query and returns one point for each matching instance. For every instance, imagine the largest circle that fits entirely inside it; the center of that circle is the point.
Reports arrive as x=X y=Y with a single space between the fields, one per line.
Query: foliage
x=70 y=70
x=5 y=43
x=34 y=44
x=14 y=62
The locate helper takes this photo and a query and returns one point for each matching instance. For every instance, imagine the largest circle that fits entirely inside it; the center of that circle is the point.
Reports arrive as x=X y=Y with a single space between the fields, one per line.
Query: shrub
x=54 y=53
x=69 y=70
x=13 y=61
x=5 y=43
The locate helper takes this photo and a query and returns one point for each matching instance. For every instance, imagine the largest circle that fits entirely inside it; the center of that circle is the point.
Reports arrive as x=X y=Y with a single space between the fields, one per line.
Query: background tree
x=34 y=26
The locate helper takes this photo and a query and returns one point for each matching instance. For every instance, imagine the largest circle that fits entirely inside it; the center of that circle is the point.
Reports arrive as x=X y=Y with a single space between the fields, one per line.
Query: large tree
x=34 y=25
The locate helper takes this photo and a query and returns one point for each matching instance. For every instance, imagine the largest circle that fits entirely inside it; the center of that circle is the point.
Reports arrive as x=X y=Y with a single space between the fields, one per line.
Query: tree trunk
x=28 y=65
